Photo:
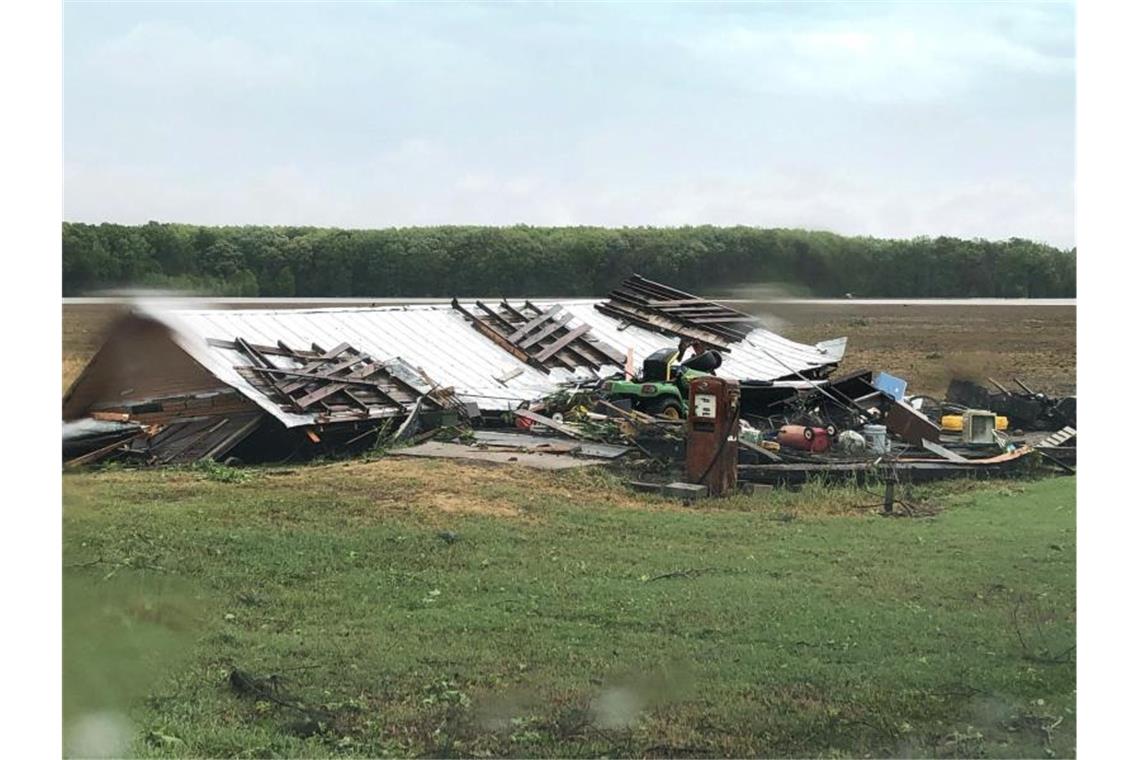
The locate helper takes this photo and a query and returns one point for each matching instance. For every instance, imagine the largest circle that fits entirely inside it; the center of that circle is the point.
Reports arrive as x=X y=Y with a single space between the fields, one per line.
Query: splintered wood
x=663 y=309
x=543 y=338
x=341 y=383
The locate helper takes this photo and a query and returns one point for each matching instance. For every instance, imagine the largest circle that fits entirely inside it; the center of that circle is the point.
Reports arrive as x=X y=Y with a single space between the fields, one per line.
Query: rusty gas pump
x=711 y=433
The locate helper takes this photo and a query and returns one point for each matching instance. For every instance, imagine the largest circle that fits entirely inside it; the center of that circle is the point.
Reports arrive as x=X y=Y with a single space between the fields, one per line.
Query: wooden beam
x=664 y=324
x=92 y=456
x=548 y=422
x=551 y=328
x=583 y=356
x=343 y=379
x=719 y=320
x=498 y=319
x=337 y=384
x=562 y=342
x=319 y=369
x=500 y=340
x=526 y=328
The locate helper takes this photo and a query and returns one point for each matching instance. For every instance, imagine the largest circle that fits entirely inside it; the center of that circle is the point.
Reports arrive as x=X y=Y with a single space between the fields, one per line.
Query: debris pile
x=1027 y=410
x=864 y=425
x=546 y=385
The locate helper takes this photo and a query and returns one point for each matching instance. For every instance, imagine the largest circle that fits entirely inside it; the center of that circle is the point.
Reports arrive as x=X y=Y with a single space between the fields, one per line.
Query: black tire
x=664 y=407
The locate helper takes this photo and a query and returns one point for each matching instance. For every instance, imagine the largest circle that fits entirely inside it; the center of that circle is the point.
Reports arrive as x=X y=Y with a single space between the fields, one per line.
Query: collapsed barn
x=597 y=379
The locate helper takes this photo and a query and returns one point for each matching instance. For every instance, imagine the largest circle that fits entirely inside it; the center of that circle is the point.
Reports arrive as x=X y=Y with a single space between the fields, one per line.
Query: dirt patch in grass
x=364 y=492
x=443 y=487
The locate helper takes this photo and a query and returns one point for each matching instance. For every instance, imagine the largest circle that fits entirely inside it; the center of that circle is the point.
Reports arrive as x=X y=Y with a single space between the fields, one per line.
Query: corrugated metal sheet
x=763 y=355
x=438 y=340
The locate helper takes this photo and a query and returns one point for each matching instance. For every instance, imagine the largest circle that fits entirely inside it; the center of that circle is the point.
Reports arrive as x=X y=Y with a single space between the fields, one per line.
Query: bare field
x=926 y=344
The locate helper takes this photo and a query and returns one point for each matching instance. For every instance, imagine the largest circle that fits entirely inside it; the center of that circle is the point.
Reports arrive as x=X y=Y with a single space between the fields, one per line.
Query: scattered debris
x=1062 y=437
x=716 y=397
x=1026 y=410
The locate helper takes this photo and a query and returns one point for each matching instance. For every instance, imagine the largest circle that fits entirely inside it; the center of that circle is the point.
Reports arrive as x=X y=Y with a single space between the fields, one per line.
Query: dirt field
x=927 y=345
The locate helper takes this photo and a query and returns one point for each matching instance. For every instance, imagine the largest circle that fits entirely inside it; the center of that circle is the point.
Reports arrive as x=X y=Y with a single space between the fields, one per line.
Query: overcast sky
x=892 y=119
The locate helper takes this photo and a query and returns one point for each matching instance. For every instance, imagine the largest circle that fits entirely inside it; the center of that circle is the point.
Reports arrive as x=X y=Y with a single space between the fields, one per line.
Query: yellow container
x=953 y=423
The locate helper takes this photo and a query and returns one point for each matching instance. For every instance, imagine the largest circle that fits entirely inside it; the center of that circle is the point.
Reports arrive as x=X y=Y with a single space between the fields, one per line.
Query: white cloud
x=874 y=58
x=892 y=120
x=162 y=55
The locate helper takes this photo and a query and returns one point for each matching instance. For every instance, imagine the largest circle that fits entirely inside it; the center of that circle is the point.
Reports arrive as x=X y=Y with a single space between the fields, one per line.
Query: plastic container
x=876 y=436
x=953 y=423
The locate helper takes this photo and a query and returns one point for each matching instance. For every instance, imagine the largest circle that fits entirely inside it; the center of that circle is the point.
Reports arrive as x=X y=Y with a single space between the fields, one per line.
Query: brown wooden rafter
x=663 y=309
x=343 y=383
x=543 y=338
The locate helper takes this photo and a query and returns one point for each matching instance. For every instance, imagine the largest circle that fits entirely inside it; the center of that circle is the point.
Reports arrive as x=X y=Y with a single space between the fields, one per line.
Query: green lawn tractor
x=662 y=388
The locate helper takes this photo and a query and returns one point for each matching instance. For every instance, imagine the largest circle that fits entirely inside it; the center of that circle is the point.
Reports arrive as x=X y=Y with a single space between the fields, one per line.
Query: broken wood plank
x=771 y=456
x=111 y=416
x=562 y=342
x=544 y=332
x=341 y=383
x=585 y=353
x=518 y=334
x=320 y=370
x=547 y=422
x=500 y=340
x=577 y=355
x=1062 y=436
x=344 y=379
x=97 y=454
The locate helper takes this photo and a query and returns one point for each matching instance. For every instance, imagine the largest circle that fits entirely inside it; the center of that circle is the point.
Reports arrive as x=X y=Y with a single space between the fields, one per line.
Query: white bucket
x=877 y=438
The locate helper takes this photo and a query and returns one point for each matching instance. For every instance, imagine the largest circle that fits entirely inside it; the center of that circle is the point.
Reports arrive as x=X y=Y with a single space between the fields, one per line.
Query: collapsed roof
x=314 y=366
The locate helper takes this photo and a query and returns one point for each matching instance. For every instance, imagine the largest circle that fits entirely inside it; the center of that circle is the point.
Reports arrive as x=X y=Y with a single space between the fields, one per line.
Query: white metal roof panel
x=441 y=342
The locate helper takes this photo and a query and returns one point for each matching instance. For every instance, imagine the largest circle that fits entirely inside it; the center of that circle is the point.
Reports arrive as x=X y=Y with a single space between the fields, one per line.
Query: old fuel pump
x=711 y=433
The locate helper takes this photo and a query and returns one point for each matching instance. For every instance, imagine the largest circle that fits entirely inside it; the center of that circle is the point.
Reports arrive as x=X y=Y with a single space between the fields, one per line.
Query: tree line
x=550 y=261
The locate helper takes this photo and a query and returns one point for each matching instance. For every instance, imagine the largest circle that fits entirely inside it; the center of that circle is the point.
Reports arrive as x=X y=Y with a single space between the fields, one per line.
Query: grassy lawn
x=565 y=616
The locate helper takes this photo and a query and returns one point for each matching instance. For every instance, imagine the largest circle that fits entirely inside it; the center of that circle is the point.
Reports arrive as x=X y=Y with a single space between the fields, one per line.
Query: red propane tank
x=804 y=438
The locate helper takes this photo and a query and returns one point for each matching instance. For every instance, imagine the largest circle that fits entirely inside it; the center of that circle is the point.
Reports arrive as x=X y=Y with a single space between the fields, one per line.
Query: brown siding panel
x=140 y=360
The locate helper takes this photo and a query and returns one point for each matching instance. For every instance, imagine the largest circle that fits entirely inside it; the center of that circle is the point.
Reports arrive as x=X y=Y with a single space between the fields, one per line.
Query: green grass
x=794 y=624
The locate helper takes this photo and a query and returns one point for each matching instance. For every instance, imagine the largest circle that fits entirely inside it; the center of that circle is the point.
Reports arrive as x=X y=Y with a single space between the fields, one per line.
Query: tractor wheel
x=664 y=407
